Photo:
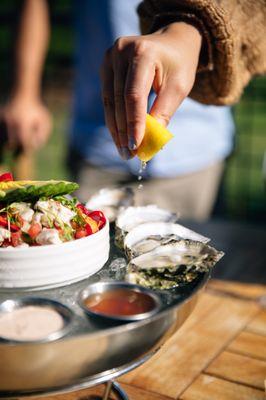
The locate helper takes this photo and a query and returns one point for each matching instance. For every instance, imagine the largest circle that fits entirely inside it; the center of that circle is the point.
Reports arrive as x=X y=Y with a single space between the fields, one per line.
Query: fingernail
x=124 y=153
x=132 y=145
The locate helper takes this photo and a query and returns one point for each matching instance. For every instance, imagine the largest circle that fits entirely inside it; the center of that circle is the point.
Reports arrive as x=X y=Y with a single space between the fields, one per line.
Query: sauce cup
x=104 y=300
x=65 y=314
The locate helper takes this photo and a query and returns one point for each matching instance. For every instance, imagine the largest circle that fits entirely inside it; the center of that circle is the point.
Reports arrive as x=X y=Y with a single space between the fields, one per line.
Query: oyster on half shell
x=110 y=201
x=134 y=216
x=146 y=237
x=168 y=266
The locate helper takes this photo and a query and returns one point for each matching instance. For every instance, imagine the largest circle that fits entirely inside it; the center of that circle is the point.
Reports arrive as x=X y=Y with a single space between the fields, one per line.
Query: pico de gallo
x=47 y=220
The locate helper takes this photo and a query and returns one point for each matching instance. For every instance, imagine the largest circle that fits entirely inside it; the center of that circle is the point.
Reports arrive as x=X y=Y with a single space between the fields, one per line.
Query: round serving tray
x=89 y=351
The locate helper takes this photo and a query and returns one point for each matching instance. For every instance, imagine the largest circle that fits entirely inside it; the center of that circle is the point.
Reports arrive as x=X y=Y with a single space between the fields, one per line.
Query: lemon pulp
x=155 y=137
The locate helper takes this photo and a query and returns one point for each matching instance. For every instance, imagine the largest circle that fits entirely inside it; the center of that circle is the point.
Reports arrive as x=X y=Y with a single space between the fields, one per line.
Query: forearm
x=31 y=48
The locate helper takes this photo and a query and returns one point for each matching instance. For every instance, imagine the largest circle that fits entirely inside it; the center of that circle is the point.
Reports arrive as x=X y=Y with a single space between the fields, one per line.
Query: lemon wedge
x=155 y=137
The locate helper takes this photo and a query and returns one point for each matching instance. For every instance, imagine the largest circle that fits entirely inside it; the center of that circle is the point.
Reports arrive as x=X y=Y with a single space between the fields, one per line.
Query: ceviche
x=44 y=215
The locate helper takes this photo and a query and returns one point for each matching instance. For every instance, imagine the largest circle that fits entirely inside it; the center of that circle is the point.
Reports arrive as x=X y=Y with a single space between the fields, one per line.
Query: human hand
x=28 y=122
x=166 y=60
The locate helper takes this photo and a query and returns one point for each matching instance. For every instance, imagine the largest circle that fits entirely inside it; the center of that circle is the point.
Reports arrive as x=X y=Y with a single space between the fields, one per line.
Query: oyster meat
x=146 y=237
x=110 y=201
x=172 y=264
x=134 y=216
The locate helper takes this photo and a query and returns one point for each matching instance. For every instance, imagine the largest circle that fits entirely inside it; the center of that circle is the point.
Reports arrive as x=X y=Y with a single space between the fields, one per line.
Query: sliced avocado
x=31 y=190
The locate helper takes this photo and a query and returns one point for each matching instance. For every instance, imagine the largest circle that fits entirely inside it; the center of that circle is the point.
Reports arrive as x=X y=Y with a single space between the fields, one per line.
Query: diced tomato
x=80 y=233
x=6 y=243
x=16 y=238
x=34 y=230
x=6 y=177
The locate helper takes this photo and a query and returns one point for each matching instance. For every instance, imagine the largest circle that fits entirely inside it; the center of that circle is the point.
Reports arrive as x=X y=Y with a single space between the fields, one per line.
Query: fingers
x=138 y=85
x=127 y=78
x=113 y=75
x=167 y=101
x=120 y=73
x=107 y=77
x=12 y=133
x=30 y=135
x=40 y=132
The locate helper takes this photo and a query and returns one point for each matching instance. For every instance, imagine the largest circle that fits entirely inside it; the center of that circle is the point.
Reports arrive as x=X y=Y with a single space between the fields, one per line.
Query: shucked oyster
x=110 y=201
x=134 y=216
x=167 y=266
x=146 y=237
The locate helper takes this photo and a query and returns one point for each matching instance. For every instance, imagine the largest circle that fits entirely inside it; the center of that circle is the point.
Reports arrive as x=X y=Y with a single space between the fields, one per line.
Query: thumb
x=166 y=103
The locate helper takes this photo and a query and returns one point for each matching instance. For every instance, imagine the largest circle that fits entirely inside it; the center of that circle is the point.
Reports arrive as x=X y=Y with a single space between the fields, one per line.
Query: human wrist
x=20 y=94
x=182 y=29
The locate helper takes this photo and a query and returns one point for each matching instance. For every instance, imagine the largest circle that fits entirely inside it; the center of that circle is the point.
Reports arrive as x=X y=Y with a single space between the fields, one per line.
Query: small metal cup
x=13 y=304
x=103 y=287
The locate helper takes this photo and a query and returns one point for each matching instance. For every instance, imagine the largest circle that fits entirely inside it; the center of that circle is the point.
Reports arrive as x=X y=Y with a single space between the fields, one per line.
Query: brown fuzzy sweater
x=234 y=42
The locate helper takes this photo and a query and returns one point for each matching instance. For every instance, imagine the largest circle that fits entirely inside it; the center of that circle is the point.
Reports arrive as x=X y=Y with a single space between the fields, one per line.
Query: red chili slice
x=6 y=177
x=4 y=223
x=99 y=217
x=88 y=229
x=83 y=209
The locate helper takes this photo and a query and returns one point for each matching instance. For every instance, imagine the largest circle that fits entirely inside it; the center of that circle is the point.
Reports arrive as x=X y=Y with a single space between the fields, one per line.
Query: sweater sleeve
x=234 y=44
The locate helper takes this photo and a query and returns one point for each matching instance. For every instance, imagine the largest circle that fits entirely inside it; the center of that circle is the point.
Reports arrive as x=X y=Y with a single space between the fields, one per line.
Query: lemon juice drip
x=143 y=165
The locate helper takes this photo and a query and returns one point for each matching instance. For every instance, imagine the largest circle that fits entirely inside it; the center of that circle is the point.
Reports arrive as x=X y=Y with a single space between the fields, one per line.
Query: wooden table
x=218 y=354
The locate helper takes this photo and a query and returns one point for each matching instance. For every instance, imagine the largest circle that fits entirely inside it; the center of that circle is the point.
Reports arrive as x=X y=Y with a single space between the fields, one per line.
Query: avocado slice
x=32 y=190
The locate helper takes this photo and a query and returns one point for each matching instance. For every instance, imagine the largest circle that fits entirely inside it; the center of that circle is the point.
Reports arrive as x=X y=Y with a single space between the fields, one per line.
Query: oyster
x=110 y=201
x=134 y=216
x=167 y=266
x=146 y=237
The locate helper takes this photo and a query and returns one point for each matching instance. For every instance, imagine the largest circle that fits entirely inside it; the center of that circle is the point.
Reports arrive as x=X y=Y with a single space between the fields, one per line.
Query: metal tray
x=89 y=351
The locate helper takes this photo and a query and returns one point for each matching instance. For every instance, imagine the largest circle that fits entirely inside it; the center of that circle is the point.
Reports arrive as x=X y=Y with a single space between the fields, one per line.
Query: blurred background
x=241 y=205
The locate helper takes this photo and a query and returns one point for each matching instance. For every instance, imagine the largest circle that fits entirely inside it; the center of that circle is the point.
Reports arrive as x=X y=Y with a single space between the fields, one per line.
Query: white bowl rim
x=16 y=250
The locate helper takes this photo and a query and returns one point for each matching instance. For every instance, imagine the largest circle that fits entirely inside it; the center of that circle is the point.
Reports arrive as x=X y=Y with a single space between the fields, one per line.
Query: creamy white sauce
x=26 y=226
x=55 y=211
x=37 y=217
x=20 y=246
x=24 y=210
x=30 y=323
x=48 y=236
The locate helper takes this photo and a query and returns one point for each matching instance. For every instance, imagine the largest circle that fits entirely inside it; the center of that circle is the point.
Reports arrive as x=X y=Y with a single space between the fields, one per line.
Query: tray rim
x=128 y=326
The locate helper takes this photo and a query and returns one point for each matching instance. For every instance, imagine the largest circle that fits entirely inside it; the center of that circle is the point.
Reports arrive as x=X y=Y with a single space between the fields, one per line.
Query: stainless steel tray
x=90 y=352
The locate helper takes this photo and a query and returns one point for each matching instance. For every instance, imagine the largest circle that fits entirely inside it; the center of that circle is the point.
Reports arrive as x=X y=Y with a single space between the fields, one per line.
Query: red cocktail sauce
x=120 y=302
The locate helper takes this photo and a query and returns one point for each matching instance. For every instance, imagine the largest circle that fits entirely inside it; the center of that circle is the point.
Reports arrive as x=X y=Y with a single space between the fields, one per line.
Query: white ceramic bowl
x=54 y=265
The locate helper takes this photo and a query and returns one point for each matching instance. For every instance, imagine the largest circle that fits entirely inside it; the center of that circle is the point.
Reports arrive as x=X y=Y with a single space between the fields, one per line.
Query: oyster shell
x=168 y=266
x=146 y=237
x=110 y=201
x=134 y=216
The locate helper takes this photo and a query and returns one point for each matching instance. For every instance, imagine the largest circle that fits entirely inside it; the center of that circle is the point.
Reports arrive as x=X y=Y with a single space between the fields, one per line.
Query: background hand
x=29 y=123
x=166 y=61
